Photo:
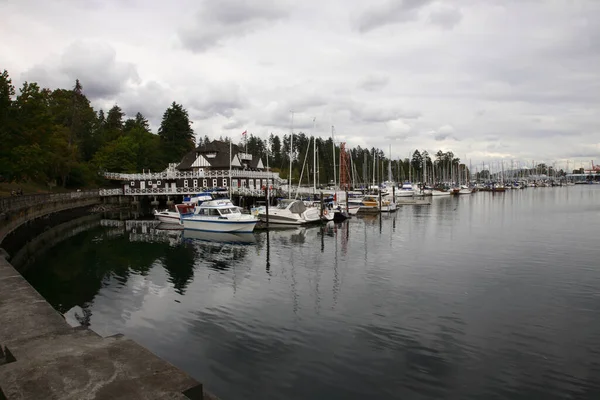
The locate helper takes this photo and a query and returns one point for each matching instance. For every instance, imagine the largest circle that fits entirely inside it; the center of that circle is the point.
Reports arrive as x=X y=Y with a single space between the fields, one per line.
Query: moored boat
x=406 y=190
x=292 y=212
x=219 y=216
x=174 y=217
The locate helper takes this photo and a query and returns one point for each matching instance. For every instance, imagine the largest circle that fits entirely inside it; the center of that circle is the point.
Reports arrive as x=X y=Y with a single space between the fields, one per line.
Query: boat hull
x=168 y=217
x=218 y=225
x=285 y=220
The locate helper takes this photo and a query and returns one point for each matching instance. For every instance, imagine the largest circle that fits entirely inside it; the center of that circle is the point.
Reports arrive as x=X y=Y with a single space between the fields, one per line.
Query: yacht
x=371 y=204
x=219 y=215
x=440 y=192
x=406 y=190
x=464 y=190
x=174 y=217
x=292 y=212
x=187 y=207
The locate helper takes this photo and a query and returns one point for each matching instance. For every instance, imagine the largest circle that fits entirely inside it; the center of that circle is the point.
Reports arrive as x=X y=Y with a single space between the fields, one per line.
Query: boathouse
x=214 y=165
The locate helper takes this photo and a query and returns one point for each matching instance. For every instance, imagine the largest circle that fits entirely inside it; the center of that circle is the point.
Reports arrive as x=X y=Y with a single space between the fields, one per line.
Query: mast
x=334 y=171
x=268 y=183
x=409 y=167
x=374 y=165
x=291 y=152
x=314 y=157
x=230 y=180
x=390 y=166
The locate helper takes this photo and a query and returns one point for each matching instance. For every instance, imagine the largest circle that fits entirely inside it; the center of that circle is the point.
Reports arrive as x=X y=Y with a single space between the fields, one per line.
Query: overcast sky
x=518 y=79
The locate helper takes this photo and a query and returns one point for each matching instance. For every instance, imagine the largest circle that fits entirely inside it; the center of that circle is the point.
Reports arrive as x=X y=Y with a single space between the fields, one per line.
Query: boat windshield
x=283 y=204
x=225 y=211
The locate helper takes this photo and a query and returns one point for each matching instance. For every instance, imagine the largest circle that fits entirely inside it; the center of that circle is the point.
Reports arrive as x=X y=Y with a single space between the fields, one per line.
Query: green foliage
x=56 y=137
x=176 y=133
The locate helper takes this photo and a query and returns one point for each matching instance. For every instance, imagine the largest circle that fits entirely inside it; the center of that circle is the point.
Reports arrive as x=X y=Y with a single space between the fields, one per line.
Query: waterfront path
x=42 y=357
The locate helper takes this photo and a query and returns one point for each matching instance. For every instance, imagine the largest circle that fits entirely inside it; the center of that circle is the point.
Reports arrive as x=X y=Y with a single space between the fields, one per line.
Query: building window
x=215 y=183
x=185 y=183
x=224 y=182
x=132 y=183
x=149 y=183
x=243 y=183
x=204 y=183
x=234 y=183
x=195 y=183
x=157 y=183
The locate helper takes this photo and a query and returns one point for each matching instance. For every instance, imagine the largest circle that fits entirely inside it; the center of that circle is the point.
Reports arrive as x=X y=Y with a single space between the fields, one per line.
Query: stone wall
x=18 y=210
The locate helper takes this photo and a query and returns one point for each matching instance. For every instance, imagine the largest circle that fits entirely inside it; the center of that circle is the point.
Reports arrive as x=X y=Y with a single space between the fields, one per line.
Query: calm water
x=478 y=297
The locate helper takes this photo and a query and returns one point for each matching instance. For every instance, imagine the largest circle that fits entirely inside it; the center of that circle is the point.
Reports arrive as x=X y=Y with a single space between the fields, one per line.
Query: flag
x=244 y=133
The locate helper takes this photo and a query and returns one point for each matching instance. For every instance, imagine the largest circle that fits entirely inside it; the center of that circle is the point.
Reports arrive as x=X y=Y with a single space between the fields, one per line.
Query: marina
x=325 y=310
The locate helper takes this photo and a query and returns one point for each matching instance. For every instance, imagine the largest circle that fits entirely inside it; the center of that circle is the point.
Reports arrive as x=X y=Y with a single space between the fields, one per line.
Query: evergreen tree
x=176 y=133
x=7 y=133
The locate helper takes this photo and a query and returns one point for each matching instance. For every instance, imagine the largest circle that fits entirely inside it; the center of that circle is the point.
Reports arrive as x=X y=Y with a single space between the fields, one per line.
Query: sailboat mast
x=334 y=169
x=390 y=166
x=314 y=157
x=291 y=152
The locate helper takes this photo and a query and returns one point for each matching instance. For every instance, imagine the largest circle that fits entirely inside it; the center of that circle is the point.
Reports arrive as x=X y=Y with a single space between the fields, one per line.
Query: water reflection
x=486 y=296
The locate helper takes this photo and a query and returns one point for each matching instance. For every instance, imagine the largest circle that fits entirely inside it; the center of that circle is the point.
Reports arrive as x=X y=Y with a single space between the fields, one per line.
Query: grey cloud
x=281 y=119
x=445 y=132
x=374 y=83
x=401 y=136
x=235 y=124
x=441 y=136
x=221 y=100
x=445 y=16
x=390 y=12
x=151 y=99
x=94 y=64
x=220 y=20
x=367 y=113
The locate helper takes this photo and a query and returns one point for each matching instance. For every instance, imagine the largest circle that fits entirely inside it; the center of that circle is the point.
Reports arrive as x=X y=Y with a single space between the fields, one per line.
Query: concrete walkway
x=42 y=357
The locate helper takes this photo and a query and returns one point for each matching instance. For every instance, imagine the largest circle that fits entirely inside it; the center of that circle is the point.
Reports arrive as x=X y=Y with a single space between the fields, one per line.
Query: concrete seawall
x=16 y=211
x=42 y=357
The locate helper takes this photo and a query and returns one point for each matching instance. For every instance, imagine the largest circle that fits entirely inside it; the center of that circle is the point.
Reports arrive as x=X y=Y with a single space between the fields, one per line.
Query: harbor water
x=483 y=296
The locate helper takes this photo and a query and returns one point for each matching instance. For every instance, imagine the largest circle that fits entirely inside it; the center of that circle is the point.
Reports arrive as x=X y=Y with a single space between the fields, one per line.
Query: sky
x=488 y=80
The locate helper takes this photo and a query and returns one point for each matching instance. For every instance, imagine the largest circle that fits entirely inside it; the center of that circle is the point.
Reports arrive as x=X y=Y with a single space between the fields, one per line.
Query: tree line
x=55 y=137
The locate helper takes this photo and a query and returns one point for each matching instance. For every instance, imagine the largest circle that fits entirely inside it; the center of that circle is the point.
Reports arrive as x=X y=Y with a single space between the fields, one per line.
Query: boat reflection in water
x=219 y=237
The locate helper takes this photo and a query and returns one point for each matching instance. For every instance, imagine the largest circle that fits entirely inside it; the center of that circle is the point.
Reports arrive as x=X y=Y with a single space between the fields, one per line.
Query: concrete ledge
x=55 y=361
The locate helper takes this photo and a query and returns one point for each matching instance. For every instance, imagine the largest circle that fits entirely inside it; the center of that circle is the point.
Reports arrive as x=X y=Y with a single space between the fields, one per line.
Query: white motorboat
x=292 y=212
x=423 y=191
x=465 y=190
x=174 y=217
x=439 y=192
x=352 y=209
x=219 y=215
x=406 y=190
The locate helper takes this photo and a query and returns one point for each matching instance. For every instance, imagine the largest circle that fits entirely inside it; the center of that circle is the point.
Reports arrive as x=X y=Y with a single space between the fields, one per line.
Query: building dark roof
x=187 y=161
x=254 y=163
x=218 y=147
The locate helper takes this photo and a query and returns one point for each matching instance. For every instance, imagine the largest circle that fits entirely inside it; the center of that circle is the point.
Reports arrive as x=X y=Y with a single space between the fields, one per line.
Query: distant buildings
x=206 y=167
